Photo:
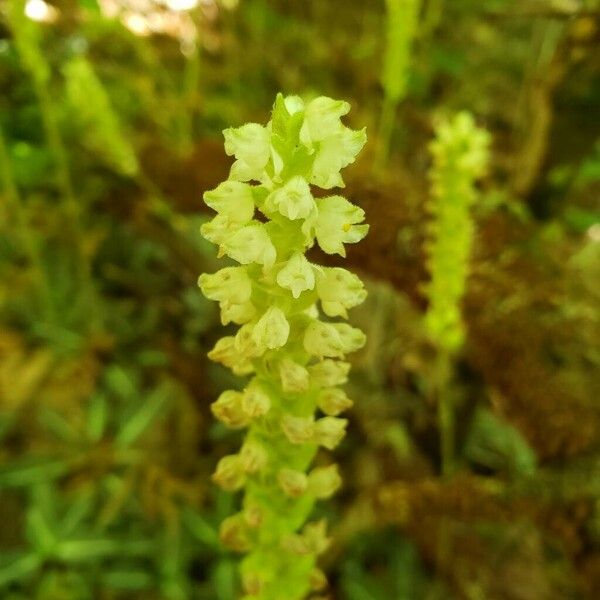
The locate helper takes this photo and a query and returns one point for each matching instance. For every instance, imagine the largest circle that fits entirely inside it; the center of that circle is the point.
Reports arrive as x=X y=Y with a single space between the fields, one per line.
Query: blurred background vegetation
x=110 y=121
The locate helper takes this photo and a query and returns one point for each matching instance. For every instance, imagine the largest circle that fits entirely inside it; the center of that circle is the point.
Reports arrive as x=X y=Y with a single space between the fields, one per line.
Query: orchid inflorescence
x=267 y=218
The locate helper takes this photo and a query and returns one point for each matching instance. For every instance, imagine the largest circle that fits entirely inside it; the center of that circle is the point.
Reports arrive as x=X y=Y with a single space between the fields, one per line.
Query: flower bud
x=253 y=515
x=229 y=473
x=255 y=401
x=245 y=342
x=250 y=244
x=322 y=339
x=234 y=534
x=293 y=483
x=272 y=329
x=333 y=401
x=237 y=313
x=315 y=536
x=323 y=482
x=298 y=430
x=339 y=290
x=318 y=580
x=293 y=200
x=254 y=457
x=232 y=199
x=294 y=377
x=230 y=284
x=228 y=408
x=352 y=338
x=219 y=229
x=329 y=373
x=226 y=353
x=336 y=224
x=297 y=275
x=329 y=431
x=252 y=585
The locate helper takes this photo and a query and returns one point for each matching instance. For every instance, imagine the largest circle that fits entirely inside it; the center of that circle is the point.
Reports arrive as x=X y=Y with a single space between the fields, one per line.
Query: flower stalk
x=288 y=344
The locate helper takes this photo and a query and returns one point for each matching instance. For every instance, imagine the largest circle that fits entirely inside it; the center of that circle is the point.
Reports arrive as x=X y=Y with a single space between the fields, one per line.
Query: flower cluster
x=267 y=218
x=460 y=157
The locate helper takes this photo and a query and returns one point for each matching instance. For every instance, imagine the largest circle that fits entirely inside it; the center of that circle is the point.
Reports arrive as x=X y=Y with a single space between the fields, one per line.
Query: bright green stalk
x=99 y=124
x=402 y=19
x=460 y=156
x=289 y=352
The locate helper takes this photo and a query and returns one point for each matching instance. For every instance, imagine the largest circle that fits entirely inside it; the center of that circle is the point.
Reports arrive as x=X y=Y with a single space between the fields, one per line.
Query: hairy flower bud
x=333 y=401
x=323 y=482
x=298 y=430
x=229 y=473
x=329 y=373
x=294 y=377
x=329 y=431
x=234 y=534
x=272 y=329
x=228 y=408
x=255 y=401
x=253 y=456
x=322 y=339
x=293 y=483
x=226 y=353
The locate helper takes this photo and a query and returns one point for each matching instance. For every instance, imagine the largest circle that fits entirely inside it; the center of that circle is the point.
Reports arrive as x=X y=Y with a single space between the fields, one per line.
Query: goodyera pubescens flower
x=287 y=343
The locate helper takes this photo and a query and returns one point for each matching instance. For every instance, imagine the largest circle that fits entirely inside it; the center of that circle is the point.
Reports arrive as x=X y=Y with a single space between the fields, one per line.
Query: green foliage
x=459 y=159
x=100 y=128
x=273 y=297
x=497 y=445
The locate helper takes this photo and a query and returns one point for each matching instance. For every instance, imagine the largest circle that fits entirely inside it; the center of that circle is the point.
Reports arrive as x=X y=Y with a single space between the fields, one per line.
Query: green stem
x=445 y=411
x=386 y=129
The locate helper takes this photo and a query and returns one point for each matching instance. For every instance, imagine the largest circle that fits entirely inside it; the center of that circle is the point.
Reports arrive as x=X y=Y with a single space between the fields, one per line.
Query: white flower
x=336 y=224
x=251 y=146
x=297 y=275
x=322 y=119
x=339 y=290
x=272 y=329
x=293 y=200
x=232 y=199
x=335 y=153
x=250 y=244
x=230 y=284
